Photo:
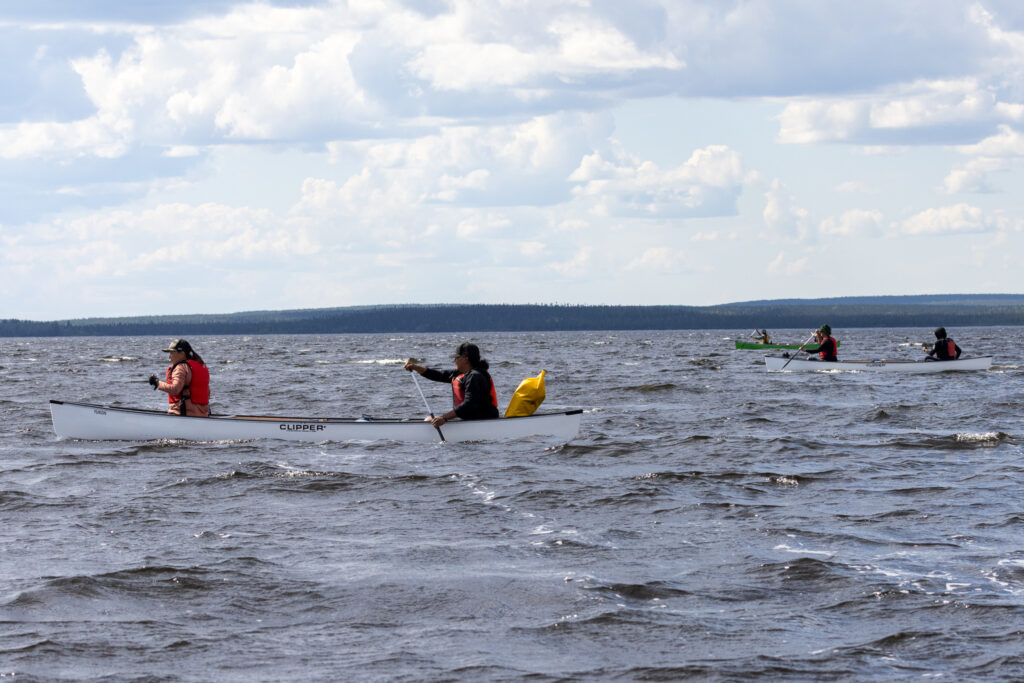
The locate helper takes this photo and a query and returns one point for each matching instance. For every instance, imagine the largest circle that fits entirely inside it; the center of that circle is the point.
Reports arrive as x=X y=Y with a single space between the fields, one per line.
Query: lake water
x=711 y=520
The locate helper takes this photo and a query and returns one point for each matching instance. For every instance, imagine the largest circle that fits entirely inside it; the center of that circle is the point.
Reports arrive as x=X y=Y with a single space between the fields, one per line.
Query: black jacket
x=941 y=350
x=476 y=391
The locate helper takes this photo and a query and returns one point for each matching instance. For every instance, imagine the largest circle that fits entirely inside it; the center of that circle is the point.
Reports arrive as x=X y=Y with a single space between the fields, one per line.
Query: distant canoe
x=779 y=363
x=103 y=423
x=758 y=345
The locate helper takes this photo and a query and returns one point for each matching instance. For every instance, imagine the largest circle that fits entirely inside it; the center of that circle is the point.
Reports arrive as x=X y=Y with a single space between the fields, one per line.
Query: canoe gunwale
x=284 y=418
x=973 y=363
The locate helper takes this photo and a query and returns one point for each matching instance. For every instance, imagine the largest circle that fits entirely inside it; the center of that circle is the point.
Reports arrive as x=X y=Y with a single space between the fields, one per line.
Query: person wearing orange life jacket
x=827 y=349
x=945 y=348
x=187 y=381
x=473 y=392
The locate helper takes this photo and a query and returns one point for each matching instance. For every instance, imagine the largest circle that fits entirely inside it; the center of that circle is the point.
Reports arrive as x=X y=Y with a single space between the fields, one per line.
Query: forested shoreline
x=901 y=311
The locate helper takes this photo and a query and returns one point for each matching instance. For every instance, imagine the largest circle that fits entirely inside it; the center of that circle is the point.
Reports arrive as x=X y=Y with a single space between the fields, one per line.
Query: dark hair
x=190 y=353
x=940 y=333
x=472 y=354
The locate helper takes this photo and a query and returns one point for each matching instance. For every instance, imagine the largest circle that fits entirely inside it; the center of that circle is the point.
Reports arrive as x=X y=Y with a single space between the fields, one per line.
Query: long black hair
x=190 y=353
x=472 y=354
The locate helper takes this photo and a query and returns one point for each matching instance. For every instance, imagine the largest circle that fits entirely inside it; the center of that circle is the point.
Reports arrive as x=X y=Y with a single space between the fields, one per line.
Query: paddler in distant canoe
x=828 y=347
x=945 y=348
x=473 y=392
x=762 y=336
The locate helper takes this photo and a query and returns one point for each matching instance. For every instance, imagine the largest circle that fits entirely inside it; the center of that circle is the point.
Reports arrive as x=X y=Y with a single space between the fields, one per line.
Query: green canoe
x=758 y=345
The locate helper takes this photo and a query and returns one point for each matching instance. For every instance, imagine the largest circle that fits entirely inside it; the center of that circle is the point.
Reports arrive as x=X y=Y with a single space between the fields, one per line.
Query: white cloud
x=182 y=151
x=577 y=266
x=781 y=214
x=160 y=240
x=913 y=112
x=853 y=187
x=332 y=70
x=859 y=222
x=540 y=46
x=531 y=249
x=708 y=184
x=391 y=140
x=973 y=176
x=1008 y=142
x=481 y=225
x=956 y=219
x=661 y=259
x=506 y=165
x=781 y=265
x=572 y=225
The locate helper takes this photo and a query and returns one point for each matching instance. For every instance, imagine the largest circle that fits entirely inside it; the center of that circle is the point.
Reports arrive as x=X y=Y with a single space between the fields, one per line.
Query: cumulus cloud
x=915 y=113
x=1007 y=142
x=974 y=176
x=852 y=187
x=855 y=222
x=528 y=162
x=347 y=70
x=961 y=104
x=387 y=135
x=573 y=43
x=781 y=214
x=577 y=265
x=956 y=219
x=708 y=184
x=783 y=265
x=661 y=259
x=335 y=70
x=546 y=160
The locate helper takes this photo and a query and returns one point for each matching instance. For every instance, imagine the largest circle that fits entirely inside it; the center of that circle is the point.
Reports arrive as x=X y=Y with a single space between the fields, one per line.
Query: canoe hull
x=97 y=422
x=779 y=363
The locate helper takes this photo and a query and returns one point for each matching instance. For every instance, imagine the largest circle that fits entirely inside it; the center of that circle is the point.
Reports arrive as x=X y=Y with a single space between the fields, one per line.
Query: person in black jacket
x=473 y=392
x=945 y=348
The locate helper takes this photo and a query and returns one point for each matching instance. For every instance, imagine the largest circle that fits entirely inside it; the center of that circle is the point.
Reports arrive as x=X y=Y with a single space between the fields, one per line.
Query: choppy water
x=711 y=521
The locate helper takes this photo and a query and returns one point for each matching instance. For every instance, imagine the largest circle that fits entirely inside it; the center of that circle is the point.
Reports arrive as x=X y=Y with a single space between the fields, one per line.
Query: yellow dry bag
x=528 y=397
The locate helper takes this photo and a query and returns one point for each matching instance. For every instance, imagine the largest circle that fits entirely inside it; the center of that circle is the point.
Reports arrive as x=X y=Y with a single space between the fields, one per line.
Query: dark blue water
x=711 y=520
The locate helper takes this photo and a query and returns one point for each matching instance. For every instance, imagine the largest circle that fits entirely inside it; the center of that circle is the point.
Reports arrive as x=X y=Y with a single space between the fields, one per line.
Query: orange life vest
x=950 y=349
x=460 y=393
x=198 y=390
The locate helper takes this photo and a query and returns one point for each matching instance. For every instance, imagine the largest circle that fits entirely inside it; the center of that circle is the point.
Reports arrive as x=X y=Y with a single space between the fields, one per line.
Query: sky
x=208 y=156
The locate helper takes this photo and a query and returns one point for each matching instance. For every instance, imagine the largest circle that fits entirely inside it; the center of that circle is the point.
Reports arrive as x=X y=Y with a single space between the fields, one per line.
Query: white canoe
x=780 y=363
x=96 y=422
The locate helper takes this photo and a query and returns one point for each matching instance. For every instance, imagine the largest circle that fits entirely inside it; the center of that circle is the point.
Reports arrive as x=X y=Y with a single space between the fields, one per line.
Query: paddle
x=799 y=349
x=417 y=383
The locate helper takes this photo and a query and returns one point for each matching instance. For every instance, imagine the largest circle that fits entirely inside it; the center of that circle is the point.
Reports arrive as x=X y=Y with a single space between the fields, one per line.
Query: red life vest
x=197 y=390
x=951 y=349
x=460 y=393
x=823 y=355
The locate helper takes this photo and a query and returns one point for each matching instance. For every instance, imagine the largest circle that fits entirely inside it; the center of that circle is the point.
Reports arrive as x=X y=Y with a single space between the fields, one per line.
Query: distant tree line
x=951 y=311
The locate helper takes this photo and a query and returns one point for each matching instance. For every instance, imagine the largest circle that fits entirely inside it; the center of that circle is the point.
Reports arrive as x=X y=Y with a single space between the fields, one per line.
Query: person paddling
x=828 y=348
x=945 y=348
x=187 y=381
x=473 y=392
